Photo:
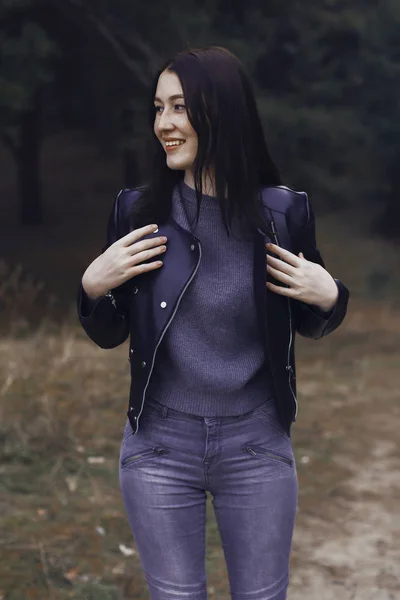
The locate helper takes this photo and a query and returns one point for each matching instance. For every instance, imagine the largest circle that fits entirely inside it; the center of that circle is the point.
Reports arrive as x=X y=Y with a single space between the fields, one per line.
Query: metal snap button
x=163 y=304
x=192 y=247
x=135 y=290
x=143 y=364
x=155 y=231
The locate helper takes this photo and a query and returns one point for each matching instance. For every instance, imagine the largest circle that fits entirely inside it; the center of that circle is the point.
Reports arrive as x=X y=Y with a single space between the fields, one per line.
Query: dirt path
x=356 y=556
x=346 y=542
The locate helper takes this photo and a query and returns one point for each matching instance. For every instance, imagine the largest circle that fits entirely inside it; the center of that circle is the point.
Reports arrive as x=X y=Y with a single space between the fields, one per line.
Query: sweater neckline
x=188 y=194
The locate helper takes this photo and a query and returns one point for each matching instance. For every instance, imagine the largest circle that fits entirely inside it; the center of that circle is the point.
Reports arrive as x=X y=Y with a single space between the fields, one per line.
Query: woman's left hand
x=307 y=281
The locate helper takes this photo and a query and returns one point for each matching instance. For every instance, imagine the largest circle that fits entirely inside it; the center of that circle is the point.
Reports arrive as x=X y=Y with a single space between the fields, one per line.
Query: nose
x=165 y=121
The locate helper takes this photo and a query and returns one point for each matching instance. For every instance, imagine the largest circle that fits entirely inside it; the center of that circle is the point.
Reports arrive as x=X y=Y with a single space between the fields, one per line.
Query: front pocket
x=254 y=450
x=136 y=457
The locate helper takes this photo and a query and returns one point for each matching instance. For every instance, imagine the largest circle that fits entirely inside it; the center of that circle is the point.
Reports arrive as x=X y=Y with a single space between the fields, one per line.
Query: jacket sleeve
x=311 y=321
x=106 y=319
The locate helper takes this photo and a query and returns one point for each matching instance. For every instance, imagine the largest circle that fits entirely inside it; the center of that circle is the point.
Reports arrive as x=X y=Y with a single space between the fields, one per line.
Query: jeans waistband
x=152 y=405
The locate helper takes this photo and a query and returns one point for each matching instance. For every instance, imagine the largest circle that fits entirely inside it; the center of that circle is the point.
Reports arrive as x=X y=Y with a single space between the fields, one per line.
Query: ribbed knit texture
x=211 y=361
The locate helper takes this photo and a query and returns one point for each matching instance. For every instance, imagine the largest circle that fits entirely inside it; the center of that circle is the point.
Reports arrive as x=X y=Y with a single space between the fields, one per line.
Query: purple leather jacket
x=144 y=306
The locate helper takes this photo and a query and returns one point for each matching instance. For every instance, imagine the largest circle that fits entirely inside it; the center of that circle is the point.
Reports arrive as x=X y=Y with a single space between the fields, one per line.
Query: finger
x=136 y=234
x=144 y=267
x=145 y=246
x=289 y=257
x=140 y=254
x=281 y=265
x=279 y=290
x=280 y=276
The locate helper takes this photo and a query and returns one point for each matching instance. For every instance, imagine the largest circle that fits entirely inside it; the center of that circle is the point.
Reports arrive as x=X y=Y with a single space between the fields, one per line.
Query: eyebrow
x=174 y=97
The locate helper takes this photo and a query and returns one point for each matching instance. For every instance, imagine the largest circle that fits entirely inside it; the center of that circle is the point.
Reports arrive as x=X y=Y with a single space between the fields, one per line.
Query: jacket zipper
x=289 y=367
x=165 y=330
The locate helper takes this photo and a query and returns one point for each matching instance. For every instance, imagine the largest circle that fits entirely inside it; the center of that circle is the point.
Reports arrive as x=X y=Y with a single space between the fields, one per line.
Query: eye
x=179 y=107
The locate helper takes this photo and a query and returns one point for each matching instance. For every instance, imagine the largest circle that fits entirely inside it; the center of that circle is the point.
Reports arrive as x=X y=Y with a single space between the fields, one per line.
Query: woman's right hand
x=122 y=261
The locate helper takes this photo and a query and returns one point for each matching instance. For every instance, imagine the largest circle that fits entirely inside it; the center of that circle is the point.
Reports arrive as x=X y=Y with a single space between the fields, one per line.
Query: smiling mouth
x=173 y=145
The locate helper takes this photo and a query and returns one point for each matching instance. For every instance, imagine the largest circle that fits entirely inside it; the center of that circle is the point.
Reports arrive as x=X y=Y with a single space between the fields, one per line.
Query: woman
x=211 y=268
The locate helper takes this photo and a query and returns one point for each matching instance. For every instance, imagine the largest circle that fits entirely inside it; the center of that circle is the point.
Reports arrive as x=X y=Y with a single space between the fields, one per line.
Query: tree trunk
x=27 y=155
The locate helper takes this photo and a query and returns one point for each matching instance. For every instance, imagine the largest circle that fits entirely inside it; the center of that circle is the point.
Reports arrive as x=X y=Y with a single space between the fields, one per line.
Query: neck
x=208 y=182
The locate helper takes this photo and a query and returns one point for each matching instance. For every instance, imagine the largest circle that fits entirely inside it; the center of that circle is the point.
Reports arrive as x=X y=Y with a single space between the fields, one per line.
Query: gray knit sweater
x=211 y=361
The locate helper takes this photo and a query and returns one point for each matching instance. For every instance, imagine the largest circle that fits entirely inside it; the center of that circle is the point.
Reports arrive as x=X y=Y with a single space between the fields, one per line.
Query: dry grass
x=62 y=413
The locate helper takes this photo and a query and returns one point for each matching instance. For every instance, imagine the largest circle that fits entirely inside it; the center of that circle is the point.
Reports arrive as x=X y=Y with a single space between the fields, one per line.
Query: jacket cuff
x=321 y=314
x=87 y=306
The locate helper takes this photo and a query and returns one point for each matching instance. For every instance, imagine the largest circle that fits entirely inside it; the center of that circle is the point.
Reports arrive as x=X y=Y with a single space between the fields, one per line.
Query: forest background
x=74 y=85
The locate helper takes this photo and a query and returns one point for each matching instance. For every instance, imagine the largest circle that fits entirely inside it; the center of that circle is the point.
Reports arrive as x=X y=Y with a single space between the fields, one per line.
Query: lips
x=173 y=147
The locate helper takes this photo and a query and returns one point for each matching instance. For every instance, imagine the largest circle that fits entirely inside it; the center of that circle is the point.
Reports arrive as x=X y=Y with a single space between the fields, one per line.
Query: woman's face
x=172 y=124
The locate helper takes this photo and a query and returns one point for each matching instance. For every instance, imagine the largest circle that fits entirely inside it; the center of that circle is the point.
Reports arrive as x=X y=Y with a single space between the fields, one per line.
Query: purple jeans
x=248 y=466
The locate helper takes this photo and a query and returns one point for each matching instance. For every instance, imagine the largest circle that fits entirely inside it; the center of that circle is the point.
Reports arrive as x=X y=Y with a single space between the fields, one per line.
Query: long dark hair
x=221 y=108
